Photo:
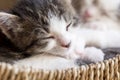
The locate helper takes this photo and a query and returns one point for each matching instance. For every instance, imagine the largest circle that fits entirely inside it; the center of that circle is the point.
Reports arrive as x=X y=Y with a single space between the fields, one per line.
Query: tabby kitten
x=47 y=31
x=40 y=28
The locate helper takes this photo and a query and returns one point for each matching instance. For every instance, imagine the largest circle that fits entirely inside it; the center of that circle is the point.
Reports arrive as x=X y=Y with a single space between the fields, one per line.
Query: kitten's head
x=39 y=25
x=96 y=9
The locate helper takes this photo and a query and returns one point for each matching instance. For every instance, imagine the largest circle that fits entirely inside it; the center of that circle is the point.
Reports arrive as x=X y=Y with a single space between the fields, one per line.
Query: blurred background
x=6 y=4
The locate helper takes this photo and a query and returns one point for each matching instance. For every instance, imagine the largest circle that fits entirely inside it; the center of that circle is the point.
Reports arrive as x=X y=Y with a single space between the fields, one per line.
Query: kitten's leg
x=112 y=40
x=101 y=39
x=109 y=40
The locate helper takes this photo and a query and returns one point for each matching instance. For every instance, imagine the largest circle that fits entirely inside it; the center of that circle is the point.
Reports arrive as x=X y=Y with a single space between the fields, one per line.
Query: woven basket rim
x=106 y=70
x=82 y=67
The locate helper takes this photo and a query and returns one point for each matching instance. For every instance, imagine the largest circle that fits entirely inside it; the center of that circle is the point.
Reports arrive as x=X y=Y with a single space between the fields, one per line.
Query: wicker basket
x=107 y=70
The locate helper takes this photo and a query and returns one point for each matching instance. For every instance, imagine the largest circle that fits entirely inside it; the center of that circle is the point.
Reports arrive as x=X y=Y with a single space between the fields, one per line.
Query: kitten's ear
x=14 y=28
x=8 y=23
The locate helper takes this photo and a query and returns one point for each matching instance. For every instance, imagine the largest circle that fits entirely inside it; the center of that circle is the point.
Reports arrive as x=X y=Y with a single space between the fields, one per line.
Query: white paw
x=94 y=54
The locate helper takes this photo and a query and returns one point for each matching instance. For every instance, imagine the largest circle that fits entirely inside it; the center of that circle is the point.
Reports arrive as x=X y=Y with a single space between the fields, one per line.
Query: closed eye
x=67 y=27
x=49 y=37
x=52 y=37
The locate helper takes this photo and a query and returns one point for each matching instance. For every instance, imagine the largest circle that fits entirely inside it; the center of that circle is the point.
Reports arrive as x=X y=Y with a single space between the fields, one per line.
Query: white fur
x=6 y=14
x=100 y=30
x=97 y=38
x=47 y=62
x=99 y=10
x=4 y=17
x=110 y=5
x=58 y=30
x=93 y=54
x=102 y=24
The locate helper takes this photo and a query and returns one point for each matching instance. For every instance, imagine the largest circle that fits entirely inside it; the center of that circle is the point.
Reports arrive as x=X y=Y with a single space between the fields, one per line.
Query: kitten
x=98 y=14
x=99 y=25
x=40 y=29
x=46 y=30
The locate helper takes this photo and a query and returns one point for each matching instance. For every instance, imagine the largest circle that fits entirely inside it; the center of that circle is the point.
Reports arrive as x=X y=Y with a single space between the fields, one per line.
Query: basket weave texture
x=107 y=70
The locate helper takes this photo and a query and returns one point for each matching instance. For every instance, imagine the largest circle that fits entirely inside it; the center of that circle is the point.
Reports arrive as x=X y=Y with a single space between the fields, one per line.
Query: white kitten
x=99 y=25
x=100 y=14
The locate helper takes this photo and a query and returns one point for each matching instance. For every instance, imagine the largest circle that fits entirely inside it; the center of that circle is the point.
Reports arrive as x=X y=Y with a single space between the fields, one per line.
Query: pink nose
x=87 y=14
x=66 y=45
